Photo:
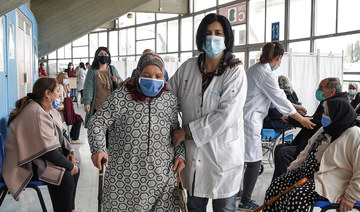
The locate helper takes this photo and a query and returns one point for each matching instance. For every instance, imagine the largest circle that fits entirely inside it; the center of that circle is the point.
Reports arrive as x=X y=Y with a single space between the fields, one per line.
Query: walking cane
x=101 y=173
x=302 y=181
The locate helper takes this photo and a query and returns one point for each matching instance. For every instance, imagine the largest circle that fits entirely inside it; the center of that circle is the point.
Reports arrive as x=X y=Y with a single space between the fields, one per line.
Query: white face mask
x=71 y=67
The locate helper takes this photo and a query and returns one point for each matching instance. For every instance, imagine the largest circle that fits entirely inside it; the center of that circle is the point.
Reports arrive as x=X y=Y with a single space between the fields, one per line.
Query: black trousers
x=250 y=176
x=75 y=130
x=63 y=195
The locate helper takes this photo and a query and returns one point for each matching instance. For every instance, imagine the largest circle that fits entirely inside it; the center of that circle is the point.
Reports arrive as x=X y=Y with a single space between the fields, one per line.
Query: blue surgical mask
x=352 y=92
x=65 y=81
x=319 y=95
x=150 y=87
x=325 y=120
x=275 y=67
x=56 y=102
x=214 y=45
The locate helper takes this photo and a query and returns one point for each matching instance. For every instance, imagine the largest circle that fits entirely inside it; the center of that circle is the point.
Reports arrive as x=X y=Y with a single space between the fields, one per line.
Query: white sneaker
x=76 y=141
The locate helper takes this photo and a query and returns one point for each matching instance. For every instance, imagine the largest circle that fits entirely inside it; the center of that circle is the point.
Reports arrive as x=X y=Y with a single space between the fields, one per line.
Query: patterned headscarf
x=146 y=60
x=149 y=59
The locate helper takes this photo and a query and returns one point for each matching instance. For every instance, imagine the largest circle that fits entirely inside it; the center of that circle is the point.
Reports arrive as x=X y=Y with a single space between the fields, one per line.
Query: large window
x=304 y=26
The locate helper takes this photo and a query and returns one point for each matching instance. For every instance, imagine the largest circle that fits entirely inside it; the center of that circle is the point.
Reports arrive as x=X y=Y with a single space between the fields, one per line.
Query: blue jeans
x=198 y=204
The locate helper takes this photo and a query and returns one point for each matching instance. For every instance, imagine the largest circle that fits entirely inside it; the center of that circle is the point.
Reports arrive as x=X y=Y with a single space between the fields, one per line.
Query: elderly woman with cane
x=140 y=173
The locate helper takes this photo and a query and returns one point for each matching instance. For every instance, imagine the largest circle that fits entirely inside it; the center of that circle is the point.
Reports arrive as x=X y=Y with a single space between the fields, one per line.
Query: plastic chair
x=32 y=184
x=326 y=205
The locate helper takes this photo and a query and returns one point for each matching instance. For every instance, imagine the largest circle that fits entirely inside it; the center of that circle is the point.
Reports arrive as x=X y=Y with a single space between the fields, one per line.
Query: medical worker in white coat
x=263 y=88
x=211 y=89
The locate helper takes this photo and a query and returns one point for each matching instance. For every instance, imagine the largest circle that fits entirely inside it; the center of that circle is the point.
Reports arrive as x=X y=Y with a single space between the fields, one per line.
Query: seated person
x=37 y=147
x=330 y=161
x=274 y=119
x=286 y=153
x=64 y=87
x=353 y=94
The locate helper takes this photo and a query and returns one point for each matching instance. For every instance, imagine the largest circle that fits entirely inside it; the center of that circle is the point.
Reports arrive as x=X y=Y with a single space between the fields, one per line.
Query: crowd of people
x=217 y=147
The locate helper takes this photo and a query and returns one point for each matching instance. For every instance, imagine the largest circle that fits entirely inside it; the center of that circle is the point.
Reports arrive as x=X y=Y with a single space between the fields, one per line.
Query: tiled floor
x=87 y=189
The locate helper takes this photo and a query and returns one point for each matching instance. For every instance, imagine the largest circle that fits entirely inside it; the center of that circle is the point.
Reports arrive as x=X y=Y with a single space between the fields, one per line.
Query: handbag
x=114 y=85
x=181 y=193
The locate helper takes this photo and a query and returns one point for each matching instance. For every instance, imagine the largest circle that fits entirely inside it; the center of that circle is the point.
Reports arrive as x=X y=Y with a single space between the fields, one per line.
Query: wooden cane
x=101 y=174
x=302 y=181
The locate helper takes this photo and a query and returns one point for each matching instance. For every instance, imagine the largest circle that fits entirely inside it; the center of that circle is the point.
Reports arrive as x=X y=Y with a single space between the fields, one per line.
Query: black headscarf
x=342 y=117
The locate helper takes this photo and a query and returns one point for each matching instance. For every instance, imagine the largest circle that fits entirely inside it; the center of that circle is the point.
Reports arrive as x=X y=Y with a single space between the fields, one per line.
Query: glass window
x=52 y=67
x=185 y=56
x=162 y=16
x=173 y=36
x=130 y=41
x=122 y=42
x=256 y=21
x=68 y=51
x=336 y=45
x=93 y=45
x=197 y=21
x=186 y=34
x=300 y=17
x=144 y=17
x=81 y=41
x=275 y=13
x=224 y=1
x=325 y=17
x=301 y=47
x=254 y=57
x=239 y=34
x=113 y=43
x=80 y=51
x=349 y=15
x=76 y=62
x=169 y=57
x=144 y=44
x=60 y=53
x=200 y=5
x=240 y=55
x=125 y=21
x=145 y=32
x=161 y=41
x=103 y=39
x=62 y=65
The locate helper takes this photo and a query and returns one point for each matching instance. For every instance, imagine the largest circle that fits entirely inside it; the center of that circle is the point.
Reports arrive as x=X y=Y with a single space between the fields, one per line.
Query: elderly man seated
x=286 y=153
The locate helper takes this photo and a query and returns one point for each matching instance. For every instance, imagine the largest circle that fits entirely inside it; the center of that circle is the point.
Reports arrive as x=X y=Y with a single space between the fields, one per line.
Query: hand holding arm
x=304 y=121
x=178 y=137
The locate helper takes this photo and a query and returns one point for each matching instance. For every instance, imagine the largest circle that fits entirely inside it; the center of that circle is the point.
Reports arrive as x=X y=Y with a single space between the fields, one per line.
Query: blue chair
x=326 y=205
x=32 y=184
x=3 y=127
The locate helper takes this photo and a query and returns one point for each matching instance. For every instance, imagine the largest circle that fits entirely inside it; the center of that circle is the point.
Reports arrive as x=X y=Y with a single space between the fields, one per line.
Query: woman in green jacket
x=99 y=82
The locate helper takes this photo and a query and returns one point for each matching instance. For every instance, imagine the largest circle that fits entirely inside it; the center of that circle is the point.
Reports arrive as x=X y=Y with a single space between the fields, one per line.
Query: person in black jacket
x=286 y=153
x=274 y=119
x=353 y=94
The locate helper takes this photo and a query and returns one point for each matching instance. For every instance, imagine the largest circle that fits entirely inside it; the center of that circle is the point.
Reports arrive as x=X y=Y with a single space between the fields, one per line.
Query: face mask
x=325 y=120
x=56 y=102
x=103 y=59
x=150 y=87
x=214 y=45
x=319 y=95
x=275 y=67
x=65 y=81
x=352 y=92
x=71 y=67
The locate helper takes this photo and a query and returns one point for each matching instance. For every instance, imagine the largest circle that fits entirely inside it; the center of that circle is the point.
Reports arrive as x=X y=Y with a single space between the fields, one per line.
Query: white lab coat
x=263 y=88
x=216 y=152
x=81 y=75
